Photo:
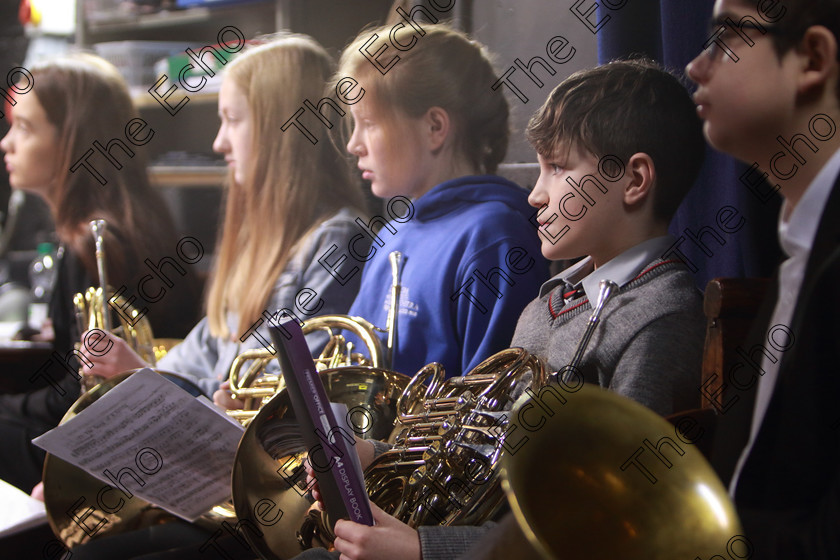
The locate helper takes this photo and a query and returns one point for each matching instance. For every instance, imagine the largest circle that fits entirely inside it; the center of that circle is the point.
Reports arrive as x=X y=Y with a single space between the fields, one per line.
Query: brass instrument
x=66 y=486
x=609 y=508
x=397 y=263
x=271 y=439
x=575 y=497
x=97 y=227
x=442 y=428
x=606 y=289
x=63 y=482
x=255 y=387
x=93 y=312
x=269 y=465
x=448 y=440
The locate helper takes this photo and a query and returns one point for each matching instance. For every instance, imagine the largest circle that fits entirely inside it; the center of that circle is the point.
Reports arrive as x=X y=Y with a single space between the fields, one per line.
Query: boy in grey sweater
x=619 y=146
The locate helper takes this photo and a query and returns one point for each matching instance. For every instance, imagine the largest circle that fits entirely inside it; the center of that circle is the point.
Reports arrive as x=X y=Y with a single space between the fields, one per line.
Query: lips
x=367 y=174
x=702 y=105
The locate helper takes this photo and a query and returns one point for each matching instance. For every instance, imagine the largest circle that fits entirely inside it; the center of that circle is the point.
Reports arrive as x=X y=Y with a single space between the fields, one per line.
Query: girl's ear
x=641 y=175
x=436 y=124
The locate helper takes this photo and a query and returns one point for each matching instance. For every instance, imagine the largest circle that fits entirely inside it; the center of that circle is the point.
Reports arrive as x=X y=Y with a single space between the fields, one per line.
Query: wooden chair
x=730 y=306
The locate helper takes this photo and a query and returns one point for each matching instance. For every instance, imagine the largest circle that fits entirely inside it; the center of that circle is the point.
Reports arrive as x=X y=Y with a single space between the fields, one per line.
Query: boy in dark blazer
x=768 y=93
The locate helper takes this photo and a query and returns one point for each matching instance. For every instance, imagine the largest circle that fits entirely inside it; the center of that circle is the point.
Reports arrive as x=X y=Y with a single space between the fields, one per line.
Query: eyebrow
x=720 y=19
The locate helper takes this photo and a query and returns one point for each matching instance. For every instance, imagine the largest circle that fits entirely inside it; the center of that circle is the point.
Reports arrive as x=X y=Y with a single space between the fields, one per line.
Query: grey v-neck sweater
x=648 y=345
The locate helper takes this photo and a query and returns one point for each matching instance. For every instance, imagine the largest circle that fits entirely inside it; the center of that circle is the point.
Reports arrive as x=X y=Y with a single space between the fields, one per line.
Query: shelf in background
x=144 y=100
x=524 y=174
x=163 y=19
x=188 y=176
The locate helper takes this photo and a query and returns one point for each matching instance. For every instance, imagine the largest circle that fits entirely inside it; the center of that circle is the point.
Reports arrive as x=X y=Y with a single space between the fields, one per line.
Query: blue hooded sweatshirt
x=473 y=263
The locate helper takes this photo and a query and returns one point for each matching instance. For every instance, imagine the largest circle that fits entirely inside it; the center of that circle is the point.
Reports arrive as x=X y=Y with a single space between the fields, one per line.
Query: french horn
x=576 y=496
x=63 y=482
x=448 y=441
x=586 y=457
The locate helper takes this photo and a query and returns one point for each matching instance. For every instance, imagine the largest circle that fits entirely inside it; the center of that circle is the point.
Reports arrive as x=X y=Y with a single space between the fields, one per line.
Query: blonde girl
x=287 y=204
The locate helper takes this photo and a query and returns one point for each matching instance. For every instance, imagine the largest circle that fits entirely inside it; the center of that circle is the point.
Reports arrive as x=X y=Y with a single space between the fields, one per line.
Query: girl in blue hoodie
x=428 y=126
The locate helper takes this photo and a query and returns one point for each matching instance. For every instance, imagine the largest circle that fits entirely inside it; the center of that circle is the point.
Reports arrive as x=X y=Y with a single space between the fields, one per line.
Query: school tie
x=570 y=292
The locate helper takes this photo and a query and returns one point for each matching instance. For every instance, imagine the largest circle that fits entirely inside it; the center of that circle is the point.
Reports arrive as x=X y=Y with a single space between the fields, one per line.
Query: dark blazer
x=788 y=494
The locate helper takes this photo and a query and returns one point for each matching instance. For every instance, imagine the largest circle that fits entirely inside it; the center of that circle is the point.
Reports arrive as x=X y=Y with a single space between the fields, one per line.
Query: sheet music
x=19 y=511
x=179 y=448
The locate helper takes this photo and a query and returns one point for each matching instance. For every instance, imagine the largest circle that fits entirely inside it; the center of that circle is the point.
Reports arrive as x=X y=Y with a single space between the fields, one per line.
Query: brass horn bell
x=578 y=493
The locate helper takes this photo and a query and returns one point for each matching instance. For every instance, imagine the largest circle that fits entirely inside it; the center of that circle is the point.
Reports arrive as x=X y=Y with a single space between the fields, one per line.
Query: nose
x=220 y=143
x=6 y=143
x=536 y=197
x=354 y=145
x=697 y=70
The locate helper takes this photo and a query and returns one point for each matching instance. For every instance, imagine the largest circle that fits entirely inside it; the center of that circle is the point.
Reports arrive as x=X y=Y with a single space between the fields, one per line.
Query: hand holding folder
x=332 y=452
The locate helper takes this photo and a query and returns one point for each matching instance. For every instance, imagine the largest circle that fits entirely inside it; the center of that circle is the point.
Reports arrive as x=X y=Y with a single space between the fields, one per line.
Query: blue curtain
x=673 y=32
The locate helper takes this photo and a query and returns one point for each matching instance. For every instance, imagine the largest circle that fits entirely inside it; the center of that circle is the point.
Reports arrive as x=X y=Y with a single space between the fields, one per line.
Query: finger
x=346 y=548
x=38 y=492
x=349 y=531
x=379 y=515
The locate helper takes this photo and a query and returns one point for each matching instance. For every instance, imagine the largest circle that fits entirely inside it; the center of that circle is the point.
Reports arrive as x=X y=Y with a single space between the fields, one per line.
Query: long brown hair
x=87 y=100
x=290 y=186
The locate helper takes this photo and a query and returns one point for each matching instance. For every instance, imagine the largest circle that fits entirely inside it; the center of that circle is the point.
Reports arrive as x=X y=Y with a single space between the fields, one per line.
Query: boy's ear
x=818 y=51
x=437 y=126
x=641 y=175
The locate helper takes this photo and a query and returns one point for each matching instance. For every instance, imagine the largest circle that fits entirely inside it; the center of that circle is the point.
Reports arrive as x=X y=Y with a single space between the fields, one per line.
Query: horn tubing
x=97 y=227
x=606 y=289
x=397 y=262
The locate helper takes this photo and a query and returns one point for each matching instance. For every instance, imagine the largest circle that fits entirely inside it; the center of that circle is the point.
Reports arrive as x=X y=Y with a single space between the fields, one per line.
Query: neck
x=794 y=188
x=628 y=240
x=796 y=149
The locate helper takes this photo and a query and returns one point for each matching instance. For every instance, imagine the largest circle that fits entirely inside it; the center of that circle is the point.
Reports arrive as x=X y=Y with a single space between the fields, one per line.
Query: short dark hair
x=794 y=18
x=622 y=108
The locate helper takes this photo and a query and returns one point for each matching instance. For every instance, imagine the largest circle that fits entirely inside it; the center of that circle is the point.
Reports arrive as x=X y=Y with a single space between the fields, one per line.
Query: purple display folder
x=331 y=446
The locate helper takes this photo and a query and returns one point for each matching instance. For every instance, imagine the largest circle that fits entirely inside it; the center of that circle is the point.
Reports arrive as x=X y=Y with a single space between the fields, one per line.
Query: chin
x=729 y=138
x=381 y=191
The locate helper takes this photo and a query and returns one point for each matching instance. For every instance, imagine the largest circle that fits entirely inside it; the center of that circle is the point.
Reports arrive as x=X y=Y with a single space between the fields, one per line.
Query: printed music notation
x=150 y=438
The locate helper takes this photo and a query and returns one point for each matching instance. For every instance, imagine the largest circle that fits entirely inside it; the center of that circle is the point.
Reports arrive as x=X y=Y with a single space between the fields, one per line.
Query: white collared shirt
x=621 y=269
x=797 y=230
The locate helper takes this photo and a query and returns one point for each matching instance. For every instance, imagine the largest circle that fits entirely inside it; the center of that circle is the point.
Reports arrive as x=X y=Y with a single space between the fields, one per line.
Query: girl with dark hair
x=75 y=101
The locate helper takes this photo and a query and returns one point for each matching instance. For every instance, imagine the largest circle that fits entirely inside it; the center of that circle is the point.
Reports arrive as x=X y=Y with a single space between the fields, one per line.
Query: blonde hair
x=290 y=186
x=443 y=69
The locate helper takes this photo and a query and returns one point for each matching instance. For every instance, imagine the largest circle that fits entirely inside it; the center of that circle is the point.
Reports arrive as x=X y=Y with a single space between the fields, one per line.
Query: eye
x=555 y=168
